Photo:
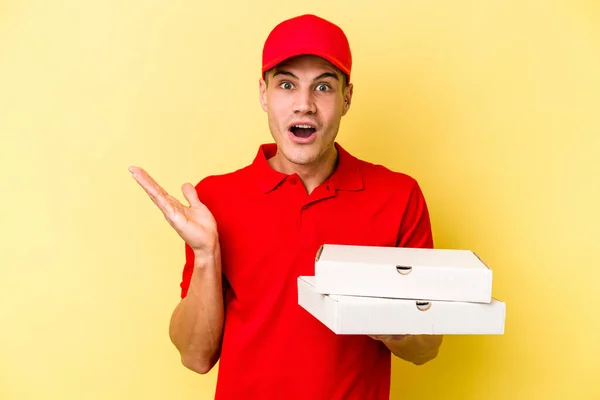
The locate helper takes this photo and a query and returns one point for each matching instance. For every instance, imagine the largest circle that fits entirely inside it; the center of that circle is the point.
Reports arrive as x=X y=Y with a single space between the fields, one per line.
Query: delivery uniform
x=270 y=230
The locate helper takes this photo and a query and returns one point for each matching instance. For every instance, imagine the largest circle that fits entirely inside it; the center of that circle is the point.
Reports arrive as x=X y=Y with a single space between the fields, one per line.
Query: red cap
x=307 y=34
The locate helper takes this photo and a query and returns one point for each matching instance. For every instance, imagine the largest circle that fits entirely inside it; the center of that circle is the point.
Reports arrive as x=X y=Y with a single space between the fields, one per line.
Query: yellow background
x=494 y=106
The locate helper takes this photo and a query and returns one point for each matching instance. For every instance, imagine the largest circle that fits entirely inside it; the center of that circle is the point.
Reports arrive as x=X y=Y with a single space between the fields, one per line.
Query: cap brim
x=304 y=52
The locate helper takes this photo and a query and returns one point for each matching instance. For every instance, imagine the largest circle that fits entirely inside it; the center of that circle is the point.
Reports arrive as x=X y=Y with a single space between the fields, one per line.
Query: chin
x=300 y=158
x=304 y=154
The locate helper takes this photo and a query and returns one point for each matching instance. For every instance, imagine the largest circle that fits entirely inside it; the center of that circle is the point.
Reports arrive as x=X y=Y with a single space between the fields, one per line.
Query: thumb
x=190 y=194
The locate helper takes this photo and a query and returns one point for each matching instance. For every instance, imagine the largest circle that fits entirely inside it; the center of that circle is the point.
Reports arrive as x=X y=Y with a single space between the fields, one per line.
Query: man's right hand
x=194 y=223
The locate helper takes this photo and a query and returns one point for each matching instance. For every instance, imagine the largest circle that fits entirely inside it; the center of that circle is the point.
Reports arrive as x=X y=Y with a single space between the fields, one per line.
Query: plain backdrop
x=493 y=106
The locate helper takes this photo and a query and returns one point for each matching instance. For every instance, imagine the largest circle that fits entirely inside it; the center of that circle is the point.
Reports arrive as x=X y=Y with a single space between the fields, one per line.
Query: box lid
x=400 y=272
x=400 y=256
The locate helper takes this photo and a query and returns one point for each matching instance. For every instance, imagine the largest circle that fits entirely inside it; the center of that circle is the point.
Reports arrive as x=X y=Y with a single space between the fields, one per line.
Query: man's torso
x=269 y=236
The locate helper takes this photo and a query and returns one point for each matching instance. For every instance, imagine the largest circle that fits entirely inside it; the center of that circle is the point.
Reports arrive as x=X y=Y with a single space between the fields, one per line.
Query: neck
x=311 y=175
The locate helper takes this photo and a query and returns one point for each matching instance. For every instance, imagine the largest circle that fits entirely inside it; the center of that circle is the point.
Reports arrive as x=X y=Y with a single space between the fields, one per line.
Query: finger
x=156 y=193
x=190 y=194
x=148 y=183
x=172 y=209
x=390 y=337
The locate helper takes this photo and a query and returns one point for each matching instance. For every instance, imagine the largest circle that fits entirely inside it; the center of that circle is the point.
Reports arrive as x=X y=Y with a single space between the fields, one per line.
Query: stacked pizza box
x=391 y=290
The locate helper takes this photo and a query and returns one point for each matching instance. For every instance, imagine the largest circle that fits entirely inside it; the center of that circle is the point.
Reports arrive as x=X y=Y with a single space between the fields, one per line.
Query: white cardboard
x=381 y=316
x=403 y=273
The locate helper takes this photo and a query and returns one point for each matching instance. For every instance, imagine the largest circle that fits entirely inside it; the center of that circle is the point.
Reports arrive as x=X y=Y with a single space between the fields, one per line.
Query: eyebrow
x=323 y=75
x=327 y=75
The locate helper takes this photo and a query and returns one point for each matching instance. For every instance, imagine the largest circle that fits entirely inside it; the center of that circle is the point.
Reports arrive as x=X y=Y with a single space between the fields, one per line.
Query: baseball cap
x=307 y=34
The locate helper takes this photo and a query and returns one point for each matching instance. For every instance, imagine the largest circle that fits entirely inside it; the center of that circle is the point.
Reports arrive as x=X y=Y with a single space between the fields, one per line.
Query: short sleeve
x=188 y=267
x=188 y=270
x=415 y=228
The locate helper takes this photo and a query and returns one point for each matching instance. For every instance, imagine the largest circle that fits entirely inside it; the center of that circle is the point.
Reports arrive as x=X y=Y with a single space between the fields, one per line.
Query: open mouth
x=302 y=131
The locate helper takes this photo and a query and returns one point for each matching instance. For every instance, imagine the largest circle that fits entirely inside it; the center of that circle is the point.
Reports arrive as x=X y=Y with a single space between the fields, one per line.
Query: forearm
x=196 y=327
x=417 y=349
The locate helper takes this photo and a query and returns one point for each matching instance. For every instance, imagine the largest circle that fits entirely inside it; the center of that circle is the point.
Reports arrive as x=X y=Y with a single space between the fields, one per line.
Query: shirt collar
x=346 y=176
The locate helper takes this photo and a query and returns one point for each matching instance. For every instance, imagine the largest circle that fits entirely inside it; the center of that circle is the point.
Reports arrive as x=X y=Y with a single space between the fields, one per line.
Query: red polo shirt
x=270 y=230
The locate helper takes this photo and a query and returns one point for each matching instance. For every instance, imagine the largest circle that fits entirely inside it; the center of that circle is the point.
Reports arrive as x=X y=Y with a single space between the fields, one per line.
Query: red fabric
x=307 y=34
x=270 y=231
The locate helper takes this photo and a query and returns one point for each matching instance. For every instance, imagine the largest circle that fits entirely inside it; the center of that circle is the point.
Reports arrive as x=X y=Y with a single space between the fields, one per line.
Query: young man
x=250 y=233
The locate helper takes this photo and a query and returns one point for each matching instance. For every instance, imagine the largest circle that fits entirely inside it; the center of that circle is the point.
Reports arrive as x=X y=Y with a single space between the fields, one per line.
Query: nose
x=305 y=102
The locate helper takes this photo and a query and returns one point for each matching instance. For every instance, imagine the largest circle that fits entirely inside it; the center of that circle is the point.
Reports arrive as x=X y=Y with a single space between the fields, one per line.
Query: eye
x=286 y=85
x=323 y=87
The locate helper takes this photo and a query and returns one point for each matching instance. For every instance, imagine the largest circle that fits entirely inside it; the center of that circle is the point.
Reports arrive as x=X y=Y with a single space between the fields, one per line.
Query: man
x=250 y=233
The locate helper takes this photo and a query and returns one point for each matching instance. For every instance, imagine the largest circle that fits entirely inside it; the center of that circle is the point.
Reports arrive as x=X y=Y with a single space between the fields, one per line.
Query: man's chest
x=267 y=244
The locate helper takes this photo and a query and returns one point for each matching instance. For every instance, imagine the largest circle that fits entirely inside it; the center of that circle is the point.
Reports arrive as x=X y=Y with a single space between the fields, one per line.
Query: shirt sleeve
x=188 y=270
x=188 y=267
x=415 y=228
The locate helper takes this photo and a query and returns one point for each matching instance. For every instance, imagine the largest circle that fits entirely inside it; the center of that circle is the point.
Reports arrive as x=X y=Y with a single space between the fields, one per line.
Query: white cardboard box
x=380 y=316
x=404 y=273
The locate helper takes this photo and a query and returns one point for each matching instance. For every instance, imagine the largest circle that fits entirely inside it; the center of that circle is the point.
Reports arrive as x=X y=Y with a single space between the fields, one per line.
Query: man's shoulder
x=374 y=174
x=215 y=184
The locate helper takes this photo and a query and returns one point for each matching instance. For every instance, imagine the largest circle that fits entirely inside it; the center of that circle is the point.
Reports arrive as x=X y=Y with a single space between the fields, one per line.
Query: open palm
x=194 y=223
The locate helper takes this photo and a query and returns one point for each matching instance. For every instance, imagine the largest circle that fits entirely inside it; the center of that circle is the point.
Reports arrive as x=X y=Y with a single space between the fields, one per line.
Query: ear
x=262 y=89
x=347 y=98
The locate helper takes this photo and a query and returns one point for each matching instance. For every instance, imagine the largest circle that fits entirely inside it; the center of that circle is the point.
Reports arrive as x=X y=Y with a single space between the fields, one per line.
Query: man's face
x=305 y=98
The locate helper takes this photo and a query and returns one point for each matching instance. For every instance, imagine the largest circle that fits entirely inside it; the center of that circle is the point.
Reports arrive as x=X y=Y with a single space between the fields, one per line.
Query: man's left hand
x=417 y=349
